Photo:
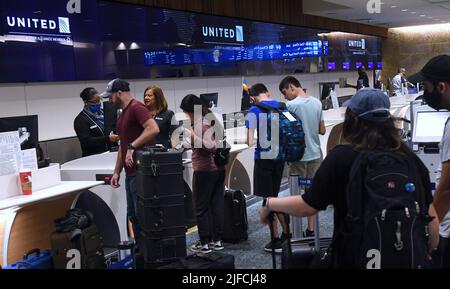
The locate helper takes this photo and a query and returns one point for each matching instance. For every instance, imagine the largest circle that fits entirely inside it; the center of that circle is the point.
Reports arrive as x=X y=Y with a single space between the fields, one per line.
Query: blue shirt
x=252 y=122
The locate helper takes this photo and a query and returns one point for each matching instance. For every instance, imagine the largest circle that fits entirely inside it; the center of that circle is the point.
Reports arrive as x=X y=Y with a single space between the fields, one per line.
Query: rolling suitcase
x=34 y=259
x=301 y=253
x=235 y=220
x=161 y=205
x=213 y=260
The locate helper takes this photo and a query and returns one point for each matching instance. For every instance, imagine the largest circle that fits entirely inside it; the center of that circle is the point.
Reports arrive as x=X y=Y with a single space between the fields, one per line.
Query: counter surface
x=59 y=190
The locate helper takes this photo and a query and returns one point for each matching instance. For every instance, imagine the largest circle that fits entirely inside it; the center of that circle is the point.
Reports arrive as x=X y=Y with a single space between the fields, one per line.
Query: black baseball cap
x=438 y=68
x=114 y=86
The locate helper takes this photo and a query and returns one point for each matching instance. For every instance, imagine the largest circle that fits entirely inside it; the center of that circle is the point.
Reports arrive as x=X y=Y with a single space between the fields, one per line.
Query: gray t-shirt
x=309 y=110
x=444 y=227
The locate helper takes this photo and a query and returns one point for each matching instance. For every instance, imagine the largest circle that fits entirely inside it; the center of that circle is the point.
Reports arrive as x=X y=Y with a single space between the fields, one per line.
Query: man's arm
x=442 y=194
x=293 y=205
x=151 y=130
x=117 y=170
x=322 y=128
x=250 y=137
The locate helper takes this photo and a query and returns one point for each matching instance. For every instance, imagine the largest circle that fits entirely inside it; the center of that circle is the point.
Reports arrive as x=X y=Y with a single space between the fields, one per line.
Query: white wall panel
x=57 y=105
x=12 y=101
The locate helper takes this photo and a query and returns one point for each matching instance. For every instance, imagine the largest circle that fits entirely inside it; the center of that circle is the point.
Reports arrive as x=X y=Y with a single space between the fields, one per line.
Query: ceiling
x=394 y=13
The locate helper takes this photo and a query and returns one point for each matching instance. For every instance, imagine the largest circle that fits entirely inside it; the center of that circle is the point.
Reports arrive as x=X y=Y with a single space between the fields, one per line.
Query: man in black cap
x=136 y=128
x=435 y=76
x=89 y=125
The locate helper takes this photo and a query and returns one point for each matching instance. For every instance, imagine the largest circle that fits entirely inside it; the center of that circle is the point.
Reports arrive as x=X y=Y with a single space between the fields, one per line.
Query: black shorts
x=267 y=175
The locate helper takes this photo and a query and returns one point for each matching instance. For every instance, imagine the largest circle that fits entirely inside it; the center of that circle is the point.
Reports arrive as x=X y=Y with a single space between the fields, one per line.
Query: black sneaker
x=308 y=233
x=277 y=245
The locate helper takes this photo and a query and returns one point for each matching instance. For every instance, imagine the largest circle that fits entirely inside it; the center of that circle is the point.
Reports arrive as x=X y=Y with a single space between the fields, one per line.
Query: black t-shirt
x=164 y=121
x=330 y=181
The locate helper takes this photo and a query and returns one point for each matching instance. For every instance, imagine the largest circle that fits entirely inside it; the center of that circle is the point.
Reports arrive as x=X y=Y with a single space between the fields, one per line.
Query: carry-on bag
x=76 y=242
x=213 y=260
x=34 y=259
x=235 y=220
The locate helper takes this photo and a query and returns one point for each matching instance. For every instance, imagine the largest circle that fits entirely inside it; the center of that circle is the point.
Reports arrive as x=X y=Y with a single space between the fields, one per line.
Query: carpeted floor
x=250 y=254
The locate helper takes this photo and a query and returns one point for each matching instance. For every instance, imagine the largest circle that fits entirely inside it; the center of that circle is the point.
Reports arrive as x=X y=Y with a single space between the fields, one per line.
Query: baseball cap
x=437 y=68
x=370 y=104
x=114 y=86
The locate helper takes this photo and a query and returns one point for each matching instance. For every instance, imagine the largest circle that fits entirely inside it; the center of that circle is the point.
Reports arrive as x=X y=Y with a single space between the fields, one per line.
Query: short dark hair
x=257 y=89
x=289 y=80
x=88 y=93
x=190 y=101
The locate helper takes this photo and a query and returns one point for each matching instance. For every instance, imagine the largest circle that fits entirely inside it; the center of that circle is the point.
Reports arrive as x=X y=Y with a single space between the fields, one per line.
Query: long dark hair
x=372 y=135
x=190 y=101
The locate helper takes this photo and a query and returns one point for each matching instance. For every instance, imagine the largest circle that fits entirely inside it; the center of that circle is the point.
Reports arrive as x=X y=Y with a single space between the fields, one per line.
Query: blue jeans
x=130 y=187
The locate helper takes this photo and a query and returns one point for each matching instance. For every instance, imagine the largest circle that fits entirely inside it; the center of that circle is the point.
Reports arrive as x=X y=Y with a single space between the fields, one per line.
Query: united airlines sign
x=39 y=29
x=217 y=34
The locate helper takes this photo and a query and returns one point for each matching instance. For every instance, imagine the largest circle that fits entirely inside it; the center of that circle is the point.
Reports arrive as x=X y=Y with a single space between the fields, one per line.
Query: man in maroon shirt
x=136 y=128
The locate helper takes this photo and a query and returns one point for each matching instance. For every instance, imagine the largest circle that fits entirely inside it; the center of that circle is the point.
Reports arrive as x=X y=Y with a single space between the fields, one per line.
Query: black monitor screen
x=110 y=112
x=326 y=89
x=210 y=98
x=30 y=122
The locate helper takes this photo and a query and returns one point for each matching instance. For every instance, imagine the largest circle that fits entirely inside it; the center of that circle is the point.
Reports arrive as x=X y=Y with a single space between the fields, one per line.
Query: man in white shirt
x=399 y=81
x=435 y=76
x=309 y=110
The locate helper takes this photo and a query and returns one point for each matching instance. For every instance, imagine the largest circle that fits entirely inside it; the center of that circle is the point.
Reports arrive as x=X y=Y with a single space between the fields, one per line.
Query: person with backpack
x=309 y=110
x=380 y=191
x=272 y=152
x=208 y=179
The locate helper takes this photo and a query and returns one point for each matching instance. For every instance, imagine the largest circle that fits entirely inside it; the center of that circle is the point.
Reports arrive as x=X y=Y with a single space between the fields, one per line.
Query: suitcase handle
x=31 y=252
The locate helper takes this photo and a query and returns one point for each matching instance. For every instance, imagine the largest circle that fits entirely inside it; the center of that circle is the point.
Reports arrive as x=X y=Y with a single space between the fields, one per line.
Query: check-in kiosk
x=428 y=127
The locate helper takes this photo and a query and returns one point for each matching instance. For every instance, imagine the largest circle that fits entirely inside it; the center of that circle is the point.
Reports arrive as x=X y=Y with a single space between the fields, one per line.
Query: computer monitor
x=429 y=126
x=210 y=98
x=326 y=90
x=30 y=122
x=110 y=112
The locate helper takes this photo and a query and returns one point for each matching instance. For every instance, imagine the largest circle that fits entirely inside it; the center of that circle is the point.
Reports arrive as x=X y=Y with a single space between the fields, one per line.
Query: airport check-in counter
x=26 y=221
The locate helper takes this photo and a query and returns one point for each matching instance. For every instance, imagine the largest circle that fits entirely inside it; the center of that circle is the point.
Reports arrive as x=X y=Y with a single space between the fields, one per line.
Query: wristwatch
x=131 y=147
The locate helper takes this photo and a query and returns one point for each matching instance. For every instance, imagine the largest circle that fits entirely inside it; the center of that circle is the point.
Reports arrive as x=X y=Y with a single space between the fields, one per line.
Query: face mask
x=433 y=99
x=95 y=108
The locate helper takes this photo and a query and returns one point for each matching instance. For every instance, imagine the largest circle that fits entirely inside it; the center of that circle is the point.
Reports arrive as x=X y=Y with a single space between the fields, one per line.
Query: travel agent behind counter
x=89 y=125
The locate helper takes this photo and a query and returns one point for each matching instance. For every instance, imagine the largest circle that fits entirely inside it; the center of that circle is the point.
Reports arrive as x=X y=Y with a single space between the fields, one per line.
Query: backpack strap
x=355 y=190
x=282 y=106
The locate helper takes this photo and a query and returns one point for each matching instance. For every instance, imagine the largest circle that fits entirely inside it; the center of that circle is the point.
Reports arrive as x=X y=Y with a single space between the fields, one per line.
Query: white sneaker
x=217 y=246
x=199 y=248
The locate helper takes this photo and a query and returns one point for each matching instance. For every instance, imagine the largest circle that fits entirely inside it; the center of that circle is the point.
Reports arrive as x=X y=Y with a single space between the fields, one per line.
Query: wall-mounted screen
x=350 y=51
x=41 y=41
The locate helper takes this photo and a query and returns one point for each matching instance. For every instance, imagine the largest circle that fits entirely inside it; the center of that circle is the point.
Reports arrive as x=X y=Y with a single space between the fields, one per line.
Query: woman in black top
x=155 y=101
x=368 y=126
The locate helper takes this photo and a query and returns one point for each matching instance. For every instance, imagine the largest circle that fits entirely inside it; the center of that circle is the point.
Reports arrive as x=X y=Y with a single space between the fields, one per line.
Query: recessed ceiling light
x=423 y=15
x=413 y=12
x=393 y=6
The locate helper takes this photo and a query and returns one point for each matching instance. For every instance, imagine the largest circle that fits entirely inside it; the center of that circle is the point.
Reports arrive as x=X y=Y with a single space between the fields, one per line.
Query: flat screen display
x=41 y=41
x=429 y=126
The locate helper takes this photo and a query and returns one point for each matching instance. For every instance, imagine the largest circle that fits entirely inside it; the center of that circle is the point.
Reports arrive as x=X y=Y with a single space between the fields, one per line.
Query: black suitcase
x=301 y=253
x=159 y=173
x=163 y=246
x=213 y=260
x=235 y=220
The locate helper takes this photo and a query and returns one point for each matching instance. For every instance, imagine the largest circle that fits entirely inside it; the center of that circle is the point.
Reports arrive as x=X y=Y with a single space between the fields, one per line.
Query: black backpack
x=387 y=215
